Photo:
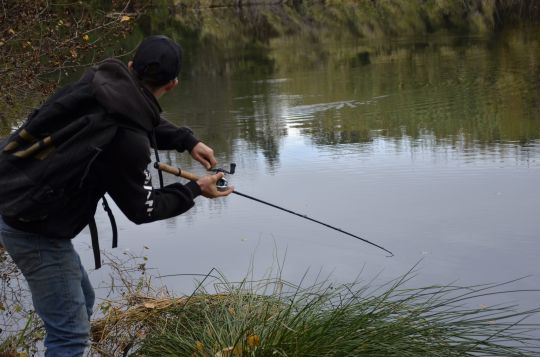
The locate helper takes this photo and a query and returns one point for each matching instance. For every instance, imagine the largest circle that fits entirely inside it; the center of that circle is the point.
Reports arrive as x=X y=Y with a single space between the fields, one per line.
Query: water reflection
x=430 y=150
x=468 y=93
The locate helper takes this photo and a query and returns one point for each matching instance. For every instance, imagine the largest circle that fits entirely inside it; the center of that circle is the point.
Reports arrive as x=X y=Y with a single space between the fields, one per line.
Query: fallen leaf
x=199 y=346
x=149 y=305
x=125 y=18
x=253 y=341
x=86 y=38
x=11 y=31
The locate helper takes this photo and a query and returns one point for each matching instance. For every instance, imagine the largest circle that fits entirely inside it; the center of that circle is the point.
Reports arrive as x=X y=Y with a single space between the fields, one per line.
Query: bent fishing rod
x=223 y=184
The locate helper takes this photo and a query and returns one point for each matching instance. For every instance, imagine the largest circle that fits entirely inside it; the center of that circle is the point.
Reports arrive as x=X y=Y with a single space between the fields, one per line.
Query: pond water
x=429 y=147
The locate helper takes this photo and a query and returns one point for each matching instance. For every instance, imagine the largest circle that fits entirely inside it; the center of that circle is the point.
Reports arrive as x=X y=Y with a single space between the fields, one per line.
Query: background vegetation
x=43 y=41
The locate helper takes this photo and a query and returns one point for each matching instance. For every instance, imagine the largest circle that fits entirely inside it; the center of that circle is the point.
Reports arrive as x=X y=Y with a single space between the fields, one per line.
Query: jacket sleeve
x=171 y=137
x=129 y=182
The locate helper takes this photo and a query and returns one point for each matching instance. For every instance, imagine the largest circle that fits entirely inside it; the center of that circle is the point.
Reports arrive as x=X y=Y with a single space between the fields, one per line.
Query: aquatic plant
x=274 y=318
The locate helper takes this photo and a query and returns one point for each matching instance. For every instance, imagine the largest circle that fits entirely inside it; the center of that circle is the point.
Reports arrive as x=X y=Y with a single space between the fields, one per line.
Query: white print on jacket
x=149 y=190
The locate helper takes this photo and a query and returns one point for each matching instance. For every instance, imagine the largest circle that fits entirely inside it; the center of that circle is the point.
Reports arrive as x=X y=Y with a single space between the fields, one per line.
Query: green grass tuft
x=271 y=318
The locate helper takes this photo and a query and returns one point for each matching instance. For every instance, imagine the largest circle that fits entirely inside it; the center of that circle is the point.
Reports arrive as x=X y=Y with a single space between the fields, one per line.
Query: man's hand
x=209 y=188
x=204 y=155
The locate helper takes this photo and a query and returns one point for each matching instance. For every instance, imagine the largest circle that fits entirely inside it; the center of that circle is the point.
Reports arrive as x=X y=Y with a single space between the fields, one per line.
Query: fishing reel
x=222 y=183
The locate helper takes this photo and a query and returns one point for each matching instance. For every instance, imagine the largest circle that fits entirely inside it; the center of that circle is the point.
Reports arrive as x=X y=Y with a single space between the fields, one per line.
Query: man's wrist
x=194 y=188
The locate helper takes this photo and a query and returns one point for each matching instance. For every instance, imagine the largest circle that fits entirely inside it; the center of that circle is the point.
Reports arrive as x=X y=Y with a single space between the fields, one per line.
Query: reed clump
x=274 y=318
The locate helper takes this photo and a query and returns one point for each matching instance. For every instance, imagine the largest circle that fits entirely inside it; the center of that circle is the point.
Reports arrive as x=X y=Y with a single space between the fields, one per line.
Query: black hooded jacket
x=121 y=168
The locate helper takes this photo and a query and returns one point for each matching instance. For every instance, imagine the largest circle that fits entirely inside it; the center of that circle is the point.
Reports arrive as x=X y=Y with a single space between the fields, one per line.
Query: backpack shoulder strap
x=94 y=233
x=95 y=242
x=113 y=222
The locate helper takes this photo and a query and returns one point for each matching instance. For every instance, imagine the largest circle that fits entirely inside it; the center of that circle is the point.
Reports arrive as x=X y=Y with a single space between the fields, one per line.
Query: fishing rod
x=222 y=184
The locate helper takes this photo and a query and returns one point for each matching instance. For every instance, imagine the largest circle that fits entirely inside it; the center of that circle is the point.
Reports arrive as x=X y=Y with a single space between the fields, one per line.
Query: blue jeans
x=61 y=291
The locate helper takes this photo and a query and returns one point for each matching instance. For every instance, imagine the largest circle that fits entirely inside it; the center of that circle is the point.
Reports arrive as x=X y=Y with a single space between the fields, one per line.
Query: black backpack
x=50 y=155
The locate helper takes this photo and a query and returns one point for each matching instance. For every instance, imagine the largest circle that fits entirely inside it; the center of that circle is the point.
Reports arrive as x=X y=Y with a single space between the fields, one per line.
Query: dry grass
x=271 y=317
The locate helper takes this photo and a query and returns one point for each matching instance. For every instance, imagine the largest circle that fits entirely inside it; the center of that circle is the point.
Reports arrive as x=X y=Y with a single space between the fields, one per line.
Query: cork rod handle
x=176 y=171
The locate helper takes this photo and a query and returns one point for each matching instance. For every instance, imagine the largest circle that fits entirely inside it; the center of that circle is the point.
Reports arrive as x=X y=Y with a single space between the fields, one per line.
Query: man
x=42 y=249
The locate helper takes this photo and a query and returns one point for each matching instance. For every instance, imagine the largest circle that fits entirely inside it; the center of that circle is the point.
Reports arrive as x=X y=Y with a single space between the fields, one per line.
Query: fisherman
x=61 y=291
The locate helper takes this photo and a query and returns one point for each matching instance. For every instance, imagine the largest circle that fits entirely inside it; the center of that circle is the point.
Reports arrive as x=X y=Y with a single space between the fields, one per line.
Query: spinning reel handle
x=222 y=183
x=230 y=172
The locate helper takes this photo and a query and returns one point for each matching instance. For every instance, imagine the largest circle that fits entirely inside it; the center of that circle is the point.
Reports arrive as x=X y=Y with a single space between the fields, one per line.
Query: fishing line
x=223 y=184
